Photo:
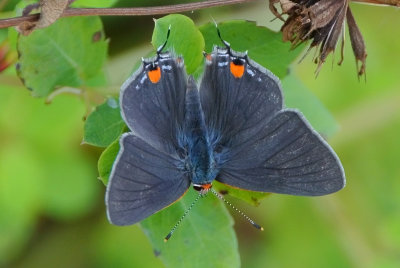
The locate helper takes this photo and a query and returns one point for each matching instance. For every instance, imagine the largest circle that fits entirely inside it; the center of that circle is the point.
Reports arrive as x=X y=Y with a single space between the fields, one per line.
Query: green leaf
x=251 y=197
x=298 y=96
x=263 y=45
x=70 y=52
x=205 y=238
x=106 y=161
x=185 y=39
x=104 y=124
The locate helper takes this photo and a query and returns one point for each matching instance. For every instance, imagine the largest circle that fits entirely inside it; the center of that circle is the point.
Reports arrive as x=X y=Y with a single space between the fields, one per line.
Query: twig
x=135 y=11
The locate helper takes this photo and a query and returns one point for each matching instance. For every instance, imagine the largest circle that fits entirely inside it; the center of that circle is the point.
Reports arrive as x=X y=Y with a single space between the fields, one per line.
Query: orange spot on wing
x=209 y=57
x=154 y=75
x=237 y=70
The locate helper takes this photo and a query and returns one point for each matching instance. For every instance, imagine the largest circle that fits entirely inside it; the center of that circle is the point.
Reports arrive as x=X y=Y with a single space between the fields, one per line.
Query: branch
x=135 y=11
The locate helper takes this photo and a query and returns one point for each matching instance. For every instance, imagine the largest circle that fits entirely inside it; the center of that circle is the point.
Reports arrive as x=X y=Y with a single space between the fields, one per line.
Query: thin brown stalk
x=135 y=11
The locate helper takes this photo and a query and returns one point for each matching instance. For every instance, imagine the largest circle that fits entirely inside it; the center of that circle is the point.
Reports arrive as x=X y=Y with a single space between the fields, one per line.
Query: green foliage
x=263 y=45
x=185 y=39
x=104 y=124
x=70 y=52
x=205 y=238
x=106 y=161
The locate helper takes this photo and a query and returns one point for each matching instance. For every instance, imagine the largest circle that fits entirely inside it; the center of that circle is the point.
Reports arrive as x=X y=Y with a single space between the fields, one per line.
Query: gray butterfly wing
x=287 y=156
x=257 y=145
x=143 y=181
x=153 y=101
x=233 y=105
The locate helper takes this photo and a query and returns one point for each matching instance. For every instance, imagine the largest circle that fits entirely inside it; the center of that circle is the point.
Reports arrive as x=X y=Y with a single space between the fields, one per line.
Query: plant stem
x=134 y=11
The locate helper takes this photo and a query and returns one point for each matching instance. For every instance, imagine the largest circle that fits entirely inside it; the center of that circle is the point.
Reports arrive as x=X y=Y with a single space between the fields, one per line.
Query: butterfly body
x=233 y=129
x=200 y=160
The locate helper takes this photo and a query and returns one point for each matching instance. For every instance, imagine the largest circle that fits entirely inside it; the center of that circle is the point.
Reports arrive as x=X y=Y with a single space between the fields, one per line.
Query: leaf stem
x=132 y=11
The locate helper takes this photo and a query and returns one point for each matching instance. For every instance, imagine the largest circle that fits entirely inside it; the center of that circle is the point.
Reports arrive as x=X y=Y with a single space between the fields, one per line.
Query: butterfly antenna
x=180 y=220
x=160 y=48
x=237 y=210
x=227 y=45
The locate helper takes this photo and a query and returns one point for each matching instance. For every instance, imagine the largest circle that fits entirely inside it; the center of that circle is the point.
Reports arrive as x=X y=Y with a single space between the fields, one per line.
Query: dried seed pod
x=322 y=22
x=357 y=43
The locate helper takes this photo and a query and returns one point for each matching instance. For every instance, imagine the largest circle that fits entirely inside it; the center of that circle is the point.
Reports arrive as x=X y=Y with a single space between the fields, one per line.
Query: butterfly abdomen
x=200 y=158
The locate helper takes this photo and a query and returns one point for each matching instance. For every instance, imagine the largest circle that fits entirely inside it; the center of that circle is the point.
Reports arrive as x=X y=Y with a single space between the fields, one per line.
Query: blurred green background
x=52 y=211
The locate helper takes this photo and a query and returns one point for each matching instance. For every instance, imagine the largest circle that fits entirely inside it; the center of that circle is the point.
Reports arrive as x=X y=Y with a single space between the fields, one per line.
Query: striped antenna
x=180 y=220
x=237 y=210
x=160 y=48
x=227 y=45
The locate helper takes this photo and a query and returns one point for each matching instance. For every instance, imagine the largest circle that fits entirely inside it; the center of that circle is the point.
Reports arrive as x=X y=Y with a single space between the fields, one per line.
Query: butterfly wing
x=153 y=101
x=286 y=157
x=232 y=105
x=143 y=181
x=258 y=146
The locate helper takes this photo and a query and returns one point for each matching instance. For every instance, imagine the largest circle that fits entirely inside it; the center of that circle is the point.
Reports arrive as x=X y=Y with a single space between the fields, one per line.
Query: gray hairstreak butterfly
x=233 y=129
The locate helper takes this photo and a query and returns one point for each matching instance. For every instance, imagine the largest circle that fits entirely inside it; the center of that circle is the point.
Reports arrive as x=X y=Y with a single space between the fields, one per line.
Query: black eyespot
x=153 y=66
x=197 y=187
x=238 y=61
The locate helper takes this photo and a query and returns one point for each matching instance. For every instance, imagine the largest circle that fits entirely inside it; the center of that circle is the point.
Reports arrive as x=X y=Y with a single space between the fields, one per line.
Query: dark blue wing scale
x=143 y=181
x=235 y=106
x=155 y=111
x=286 y=156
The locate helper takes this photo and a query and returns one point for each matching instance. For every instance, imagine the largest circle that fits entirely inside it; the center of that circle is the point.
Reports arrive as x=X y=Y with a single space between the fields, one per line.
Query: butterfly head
x=202 y=188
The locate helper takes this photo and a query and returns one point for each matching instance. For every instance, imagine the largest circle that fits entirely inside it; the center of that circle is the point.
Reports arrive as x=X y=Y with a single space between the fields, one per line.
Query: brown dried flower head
x=322 y=22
